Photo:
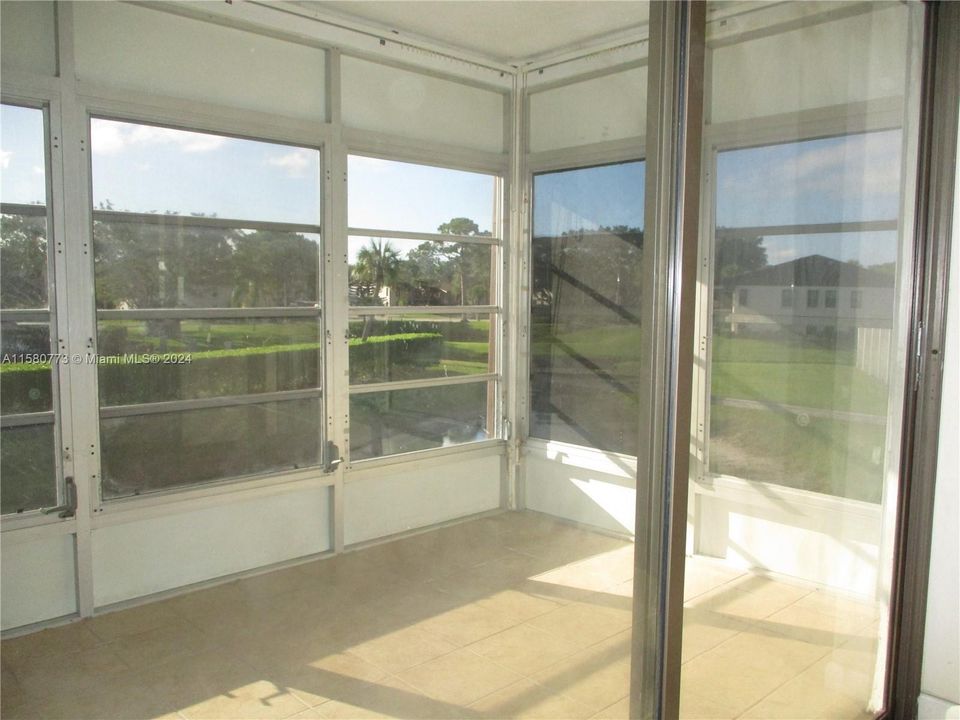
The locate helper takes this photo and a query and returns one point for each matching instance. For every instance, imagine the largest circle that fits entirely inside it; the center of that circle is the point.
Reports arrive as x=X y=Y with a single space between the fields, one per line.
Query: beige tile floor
x=512 y=615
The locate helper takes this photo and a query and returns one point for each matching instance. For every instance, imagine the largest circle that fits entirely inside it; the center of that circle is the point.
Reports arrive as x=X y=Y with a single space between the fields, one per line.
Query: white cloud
x=5 y=156
x=38 y=170
x=859 y=166
x=294 y=162
x=111 y=138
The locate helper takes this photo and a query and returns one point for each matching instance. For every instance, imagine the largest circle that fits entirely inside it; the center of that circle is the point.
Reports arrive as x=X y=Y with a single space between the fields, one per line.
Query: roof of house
x=815 y=271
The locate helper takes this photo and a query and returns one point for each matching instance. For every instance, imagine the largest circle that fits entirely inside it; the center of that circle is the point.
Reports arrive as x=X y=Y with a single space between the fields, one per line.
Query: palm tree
x=377 y=266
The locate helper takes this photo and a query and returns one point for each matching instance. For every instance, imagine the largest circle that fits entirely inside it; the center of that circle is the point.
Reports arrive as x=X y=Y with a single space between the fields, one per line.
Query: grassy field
x=813 y=451
x=823 y=450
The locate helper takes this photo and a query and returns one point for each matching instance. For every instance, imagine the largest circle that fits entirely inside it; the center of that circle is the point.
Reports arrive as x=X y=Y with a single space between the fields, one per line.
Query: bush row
x=25 y=387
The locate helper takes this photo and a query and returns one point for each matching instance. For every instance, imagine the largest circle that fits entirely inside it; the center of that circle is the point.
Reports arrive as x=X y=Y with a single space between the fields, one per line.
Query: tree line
x=432 y=273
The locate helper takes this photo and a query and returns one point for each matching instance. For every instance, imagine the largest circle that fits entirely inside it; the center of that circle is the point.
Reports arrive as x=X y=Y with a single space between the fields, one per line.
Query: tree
x=737 y=254
x=23 y=269
x=458 y=256
x=377 y=265
x=423 y=275
x=275 y=268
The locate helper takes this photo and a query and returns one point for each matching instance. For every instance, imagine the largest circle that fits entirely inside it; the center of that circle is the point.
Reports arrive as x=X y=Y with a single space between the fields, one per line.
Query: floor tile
x=739 y=672
x=750 y=598
x=584 y=624
x=837 y=685
x=459 y=678
x=124 y=696
x=518 y=604
x=62 y=640
x=596 y=677
x=48 y=675
x=162 y=644
x=597 y=573
x=402 y=649
x=525 y=649
x=131 y=621
x=509 y=615
x=388 y=698
x=703 y=575
x=468 y=623
x=704 y=629
x=330 y=678
x=620 y=710
x=526 y=699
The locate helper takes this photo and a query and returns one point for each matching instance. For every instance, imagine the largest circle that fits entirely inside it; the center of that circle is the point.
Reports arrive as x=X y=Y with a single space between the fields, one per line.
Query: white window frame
x=836 y=121
x=446 y=159
x=60 y=413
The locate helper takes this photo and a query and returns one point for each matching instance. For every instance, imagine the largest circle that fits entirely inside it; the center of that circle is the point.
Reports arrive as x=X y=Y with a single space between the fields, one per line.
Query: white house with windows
x=810 y=295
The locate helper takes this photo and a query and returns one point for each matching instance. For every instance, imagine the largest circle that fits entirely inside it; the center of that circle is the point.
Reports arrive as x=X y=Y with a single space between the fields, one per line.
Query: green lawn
x=831 y=455
x=834 y=387
x=826 y=456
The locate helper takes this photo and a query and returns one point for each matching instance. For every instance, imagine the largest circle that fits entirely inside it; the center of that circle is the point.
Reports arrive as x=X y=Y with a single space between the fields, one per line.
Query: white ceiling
x=508 y=31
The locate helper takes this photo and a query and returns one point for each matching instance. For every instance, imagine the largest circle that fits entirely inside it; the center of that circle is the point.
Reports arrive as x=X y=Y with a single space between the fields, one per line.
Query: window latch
x=333 y=458
x=69 y=508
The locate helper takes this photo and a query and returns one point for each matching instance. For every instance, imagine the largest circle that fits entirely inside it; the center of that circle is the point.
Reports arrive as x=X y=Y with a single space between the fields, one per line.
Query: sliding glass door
x=805 y=260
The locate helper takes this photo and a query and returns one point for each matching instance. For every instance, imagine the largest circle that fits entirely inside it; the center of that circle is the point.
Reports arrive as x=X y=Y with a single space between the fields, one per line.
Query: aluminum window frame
x=199 y=123
x=496 y=311
x=830 y=122
x=583 y=157
x=59 y=415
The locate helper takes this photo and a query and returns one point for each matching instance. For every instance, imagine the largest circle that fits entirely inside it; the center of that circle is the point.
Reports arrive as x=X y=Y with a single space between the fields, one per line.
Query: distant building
x=811 y=295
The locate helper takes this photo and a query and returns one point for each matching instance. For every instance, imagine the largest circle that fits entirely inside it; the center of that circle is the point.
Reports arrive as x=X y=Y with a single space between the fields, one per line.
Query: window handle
x=333 y=458
x=69 y=508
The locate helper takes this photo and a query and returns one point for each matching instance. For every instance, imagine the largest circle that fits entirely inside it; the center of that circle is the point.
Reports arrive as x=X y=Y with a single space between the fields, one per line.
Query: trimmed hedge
x=379 y=358
x=26 y=387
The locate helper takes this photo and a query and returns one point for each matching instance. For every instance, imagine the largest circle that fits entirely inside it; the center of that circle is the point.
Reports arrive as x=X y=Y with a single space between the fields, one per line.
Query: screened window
x=28 y=381
x=830 y=299
x=208 y=314
x=813 y=298
x=423 y=257
x=585 y=306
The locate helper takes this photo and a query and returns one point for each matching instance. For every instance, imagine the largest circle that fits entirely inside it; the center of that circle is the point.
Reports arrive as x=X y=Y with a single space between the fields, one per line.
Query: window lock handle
x=69 y=508
x=333 y=458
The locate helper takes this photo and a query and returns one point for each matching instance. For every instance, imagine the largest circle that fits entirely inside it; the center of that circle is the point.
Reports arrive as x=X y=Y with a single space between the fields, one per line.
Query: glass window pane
x=27 y=464
x=178 y=261
x=23 y=235
x=174 y=265
x=413 y=347
x=846 y=178
x=149 y=453
x=391 y=195
x=399 y=421
x=23 y=261
x=585 y=314
x=143 y=361
x=792 y=400
x=28 y=444
x=392 y=272
x=150 y=169
x=22 y=148
x=26 y=379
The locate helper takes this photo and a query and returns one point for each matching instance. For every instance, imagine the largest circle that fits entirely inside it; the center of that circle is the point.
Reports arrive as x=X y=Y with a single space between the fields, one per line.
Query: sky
x=850 y=178
x=588 y=198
